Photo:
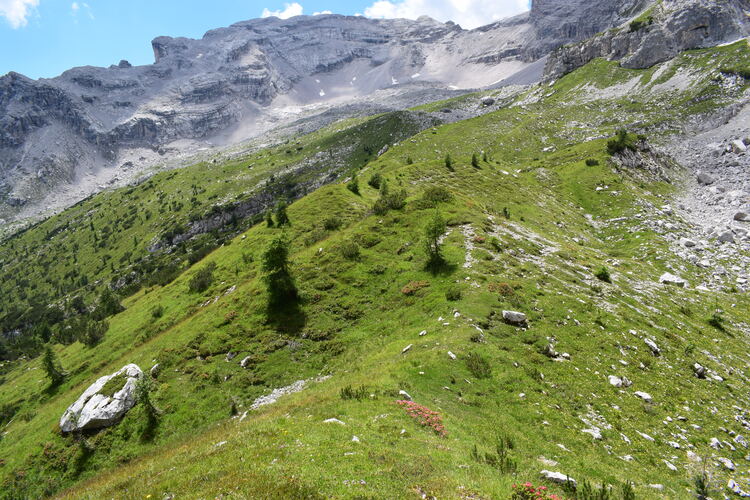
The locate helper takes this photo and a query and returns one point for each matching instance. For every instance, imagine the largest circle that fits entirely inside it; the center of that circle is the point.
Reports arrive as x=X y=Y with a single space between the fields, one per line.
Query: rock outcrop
x=94 y=410
x=237 y=82
x=657 y=34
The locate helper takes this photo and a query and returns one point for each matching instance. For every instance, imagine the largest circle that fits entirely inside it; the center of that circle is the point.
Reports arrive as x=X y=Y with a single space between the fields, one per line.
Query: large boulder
x=102 y=405
x=671 y=279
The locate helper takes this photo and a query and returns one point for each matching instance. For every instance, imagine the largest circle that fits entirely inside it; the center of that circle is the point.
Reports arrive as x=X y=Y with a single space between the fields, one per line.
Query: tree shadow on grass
x=286 y=315
x=438 y=266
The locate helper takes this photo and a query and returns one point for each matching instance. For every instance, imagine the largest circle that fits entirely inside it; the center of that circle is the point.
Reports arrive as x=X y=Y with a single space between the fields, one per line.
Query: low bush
x=453 y=293
x=424 y=416
x=414 y=286
x=202 y=279
x=478 y=365
x=602 y=274
x=349 y=250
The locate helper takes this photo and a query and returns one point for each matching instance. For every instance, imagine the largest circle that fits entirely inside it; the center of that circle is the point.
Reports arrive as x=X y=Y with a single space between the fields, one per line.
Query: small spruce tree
x=475 y=161
x=52 y=367
x=433 y=232
x=449 y=162
x=269 y=219
x=353 y=186
x=275 y=266
x=282 y=219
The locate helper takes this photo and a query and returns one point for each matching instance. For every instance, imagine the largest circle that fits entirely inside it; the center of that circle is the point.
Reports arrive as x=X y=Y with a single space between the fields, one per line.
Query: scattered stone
x=671 y=279
x=595 y=432
x=333 y=421
x=674 y=445
x=154 y=371
x=93 y=410
x=488 y=101
x=451 y=355
x=514 y=318
x=355 y=439
x=705 y=179
x=281 y=391
x=565 y=355
x=619 y=382
x=652 y=345
x=738 y=146
x=230 y=356
x=246 y=361
x=670 y=465
x=728 y=464
x=742 y=217
x=645 y=436
x=714 y=443
x=644 y=396
x=726 y=237
x=558 y=478
x=407 y=348
x=658 y=487
x=699 y=370
x=423 y=333
x=736 y=489
x=405 y=395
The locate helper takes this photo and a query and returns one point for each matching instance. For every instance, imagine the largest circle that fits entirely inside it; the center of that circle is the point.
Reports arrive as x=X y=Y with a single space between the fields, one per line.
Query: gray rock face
x=94 y=410
x=674 y=26
x=237 y=82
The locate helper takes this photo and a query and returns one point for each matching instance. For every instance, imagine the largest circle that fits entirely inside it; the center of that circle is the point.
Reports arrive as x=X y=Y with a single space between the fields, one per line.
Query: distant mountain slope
x=66 y=137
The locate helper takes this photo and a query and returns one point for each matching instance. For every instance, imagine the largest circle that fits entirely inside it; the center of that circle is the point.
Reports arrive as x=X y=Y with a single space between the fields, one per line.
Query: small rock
x=738 y=146
x=558 y=478
x=514 y=317
x=671 y=279
x=726 y=237
x=423 y=333
x=644 y=396
x=333 y=421
x=705 y=179
x=405 y=395
x=355 y=439
x=451 y=355
x=699 y=370
x=246 y=361
x=714 y=443
x=154 y=372
x=406 y=349
x=742 y=217
x=728 y=464
x=670 y=465
x=652 y=345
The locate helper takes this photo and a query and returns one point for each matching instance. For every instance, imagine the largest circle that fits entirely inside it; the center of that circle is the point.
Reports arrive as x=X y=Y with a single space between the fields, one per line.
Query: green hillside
x=539 y=221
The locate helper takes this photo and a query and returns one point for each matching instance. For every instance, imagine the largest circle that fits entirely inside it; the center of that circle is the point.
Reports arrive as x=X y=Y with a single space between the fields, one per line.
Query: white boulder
x=94 y=410
x=514 y=317
x=671 y=279
x=558 y=478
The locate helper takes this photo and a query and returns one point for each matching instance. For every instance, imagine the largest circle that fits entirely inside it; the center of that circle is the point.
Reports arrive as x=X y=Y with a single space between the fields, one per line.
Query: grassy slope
x=357 y=321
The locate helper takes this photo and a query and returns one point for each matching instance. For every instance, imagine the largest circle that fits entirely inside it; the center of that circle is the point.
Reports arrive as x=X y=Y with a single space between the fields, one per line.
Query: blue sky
x=42 y=38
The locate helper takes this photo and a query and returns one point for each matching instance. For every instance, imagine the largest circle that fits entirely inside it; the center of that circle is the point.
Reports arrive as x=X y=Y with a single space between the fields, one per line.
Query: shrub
x=475 y=161
x=157 y=312
x=353 y=186
x=348 y=393
x=375 y=181
x=414 y=286
x=602 y=274
x=202 y=279
x=478 y=365
x=108 y=305
x=94 y=332
x=409 y=161
x=592 y=162
x=716 y=320
x=349 y=250
x=424 y=416
x=389 y=201
x=332 y=223
x=449 y=162
x=453 y=293
x=436 y=194
x=503 y=289
x=622 y=141
x=269 y=219
x=500 y=459
x=639 y=24
x=528 y=491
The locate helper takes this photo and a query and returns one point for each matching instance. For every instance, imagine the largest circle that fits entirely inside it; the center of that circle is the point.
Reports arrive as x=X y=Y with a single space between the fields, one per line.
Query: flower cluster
x=527 y=491
x=424 y=416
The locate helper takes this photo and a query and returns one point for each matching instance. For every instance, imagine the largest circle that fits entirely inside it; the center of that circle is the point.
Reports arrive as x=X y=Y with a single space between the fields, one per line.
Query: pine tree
x=269 y=219
x=52 y=367
x=433 y=232
x=353 y=186
x=449 y=162
x=282 y=219
x=275 y=266
x=474 y=161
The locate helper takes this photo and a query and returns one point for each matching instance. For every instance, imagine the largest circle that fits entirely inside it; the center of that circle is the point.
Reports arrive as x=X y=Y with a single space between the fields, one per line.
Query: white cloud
x=74 y=7
x=322 y=13
x=468 y=13
x=290 y=10
x=17 y=12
